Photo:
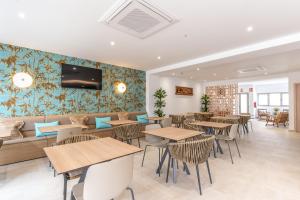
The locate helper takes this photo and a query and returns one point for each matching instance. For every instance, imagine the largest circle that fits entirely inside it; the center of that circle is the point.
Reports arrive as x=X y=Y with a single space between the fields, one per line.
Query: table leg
x=162 y=160
x=65 y=186
x=83 y=175
x=185 y=167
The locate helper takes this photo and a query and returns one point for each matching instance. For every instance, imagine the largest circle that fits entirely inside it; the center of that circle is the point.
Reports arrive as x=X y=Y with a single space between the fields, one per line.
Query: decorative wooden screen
x=184 y=91
x=223 y=99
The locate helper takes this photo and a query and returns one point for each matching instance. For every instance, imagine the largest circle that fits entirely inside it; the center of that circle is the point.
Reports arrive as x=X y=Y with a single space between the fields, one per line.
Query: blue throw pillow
x=143 y=119
x=101 y=122
x=38 y=133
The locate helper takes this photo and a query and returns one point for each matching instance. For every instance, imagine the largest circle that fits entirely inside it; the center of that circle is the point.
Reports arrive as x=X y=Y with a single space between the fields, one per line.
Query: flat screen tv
x=73 y=76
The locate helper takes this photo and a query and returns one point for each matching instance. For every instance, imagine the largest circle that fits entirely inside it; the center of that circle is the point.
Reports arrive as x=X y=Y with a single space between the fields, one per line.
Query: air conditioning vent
x=252 y=70
x=137 y=17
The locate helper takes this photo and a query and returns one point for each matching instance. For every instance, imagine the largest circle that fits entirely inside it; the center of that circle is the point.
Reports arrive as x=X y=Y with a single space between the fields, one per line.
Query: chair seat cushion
x=77 y=191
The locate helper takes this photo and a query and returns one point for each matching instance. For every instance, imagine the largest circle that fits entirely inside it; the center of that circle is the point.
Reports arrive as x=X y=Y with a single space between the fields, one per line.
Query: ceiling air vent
x=252 y=70
x=137 y=17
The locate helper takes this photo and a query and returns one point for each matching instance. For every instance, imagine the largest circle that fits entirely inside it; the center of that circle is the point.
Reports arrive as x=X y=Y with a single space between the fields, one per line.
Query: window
x=285 y=99
x=263 y=99
x=275 y=99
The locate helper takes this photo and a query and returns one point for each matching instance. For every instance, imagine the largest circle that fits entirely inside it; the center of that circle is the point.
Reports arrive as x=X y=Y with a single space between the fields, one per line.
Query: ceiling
x=71 y=27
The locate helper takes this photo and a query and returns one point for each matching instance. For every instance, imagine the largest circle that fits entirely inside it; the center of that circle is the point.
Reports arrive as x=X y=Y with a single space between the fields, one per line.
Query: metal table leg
x=65 y=186
x=162 y=160
x=185 y=168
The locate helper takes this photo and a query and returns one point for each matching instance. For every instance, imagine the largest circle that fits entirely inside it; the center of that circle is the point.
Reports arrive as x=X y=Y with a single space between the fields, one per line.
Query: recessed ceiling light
x=158 y=57
x=173 y=74
x=74 y=68
x=266 y=73
x=93 y=79
x=214 y=74
x=112 y=43
x=204 y=80
x=198 y=69
x=21 y=15
x=250 y=28
x=191 y=77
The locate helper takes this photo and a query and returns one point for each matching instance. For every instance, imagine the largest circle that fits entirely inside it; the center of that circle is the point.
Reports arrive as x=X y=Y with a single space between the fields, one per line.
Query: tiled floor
x=269 y=169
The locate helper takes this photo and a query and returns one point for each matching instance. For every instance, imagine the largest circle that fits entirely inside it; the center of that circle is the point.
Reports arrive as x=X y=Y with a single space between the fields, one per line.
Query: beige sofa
x=31 y=147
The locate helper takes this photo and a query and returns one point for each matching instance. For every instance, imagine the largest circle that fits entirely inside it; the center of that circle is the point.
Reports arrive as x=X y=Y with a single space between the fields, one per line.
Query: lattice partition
x=223 y=99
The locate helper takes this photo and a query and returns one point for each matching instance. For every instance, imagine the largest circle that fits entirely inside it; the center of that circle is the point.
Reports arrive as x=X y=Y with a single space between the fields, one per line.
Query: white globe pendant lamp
x=121 y=87
x=22 y=80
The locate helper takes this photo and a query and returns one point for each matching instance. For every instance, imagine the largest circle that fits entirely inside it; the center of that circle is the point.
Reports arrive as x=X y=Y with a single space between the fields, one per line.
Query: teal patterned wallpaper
x=46 y=97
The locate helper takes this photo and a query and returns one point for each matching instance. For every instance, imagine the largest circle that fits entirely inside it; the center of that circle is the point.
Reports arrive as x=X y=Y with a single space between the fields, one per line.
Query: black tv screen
x=73 y=76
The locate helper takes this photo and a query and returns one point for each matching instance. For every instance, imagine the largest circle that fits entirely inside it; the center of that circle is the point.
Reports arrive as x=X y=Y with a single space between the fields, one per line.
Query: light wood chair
x=280 y=118
x=154 y=141
x=106 y=180
x=194 y=152
x=167 y=122
x=262 y=114
x=177 y=120
x=129 y=132
x=230 y=137
x=1 y=142
x=66 y=133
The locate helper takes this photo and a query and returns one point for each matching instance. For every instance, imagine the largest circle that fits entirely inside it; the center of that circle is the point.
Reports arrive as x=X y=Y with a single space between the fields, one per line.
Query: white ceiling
x=70 y=27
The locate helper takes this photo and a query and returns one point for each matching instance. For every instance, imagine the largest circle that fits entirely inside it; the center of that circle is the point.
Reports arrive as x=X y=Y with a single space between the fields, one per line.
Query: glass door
x=244 y=103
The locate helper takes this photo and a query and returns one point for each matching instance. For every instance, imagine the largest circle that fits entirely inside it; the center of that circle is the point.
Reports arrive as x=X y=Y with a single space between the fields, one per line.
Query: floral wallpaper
x=47 y=97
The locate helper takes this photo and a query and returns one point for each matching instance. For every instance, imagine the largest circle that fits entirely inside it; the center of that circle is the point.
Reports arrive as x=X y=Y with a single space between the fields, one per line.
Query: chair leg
x=229 y=151
x=139 y=142
x=237 y=147
x=174 y=170
x=168 y=169
x=131 y=192
x=144 y=155
x=208 y=169
x=214 y=149
x=198 y=176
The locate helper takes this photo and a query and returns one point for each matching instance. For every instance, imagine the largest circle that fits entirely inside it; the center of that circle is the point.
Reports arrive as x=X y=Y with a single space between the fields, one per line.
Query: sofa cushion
x=10 y=128
x=143 y=119
x=29 y=122
x=62 y=119
x=101 y=122
x=132 y=115
x=38 y=133
x=79 y=119
x=92 y=117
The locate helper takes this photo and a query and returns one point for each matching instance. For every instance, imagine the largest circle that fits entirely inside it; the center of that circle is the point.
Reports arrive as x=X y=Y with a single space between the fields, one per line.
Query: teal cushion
x=101 y=122
x=143 y=119
x=38 y=133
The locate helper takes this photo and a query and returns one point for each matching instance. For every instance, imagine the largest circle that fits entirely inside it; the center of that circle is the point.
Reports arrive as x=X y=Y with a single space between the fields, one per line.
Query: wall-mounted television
x=73 y=76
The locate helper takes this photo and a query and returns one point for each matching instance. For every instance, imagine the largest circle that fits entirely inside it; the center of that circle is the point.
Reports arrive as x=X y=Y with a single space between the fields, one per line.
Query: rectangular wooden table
x=215 y=125
x=121 y=122
x=156 y=120
x=173 y=134
x=48 y=129
x=70 y=157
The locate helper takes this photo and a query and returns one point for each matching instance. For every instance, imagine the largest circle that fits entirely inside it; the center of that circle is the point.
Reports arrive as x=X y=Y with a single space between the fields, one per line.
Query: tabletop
x=225 y=118
x=211 y=124
x=173 y=133
x=156 y=118
x=60 y=127
x=121 y=122
x=69 y=157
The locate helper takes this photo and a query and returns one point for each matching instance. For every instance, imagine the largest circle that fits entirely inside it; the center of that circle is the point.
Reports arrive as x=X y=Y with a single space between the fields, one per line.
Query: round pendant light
x=22 y=80
x=121 y=87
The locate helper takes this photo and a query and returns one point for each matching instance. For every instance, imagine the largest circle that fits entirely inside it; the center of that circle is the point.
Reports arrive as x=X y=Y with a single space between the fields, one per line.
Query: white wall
x=294 y=78
x=176 y=104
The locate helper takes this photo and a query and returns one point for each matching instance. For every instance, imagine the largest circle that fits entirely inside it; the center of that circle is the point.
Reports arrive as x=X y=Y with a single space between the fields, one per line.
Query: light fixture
x=21 y=15
x=173 y=74
x=191 y=77
x=158 y=57
x=250 y=28
x=22 y=80
x=214 y=74
x=198 y=69
x=112 y=43
x=266 y=73
x=121 y=87
x=74 y=68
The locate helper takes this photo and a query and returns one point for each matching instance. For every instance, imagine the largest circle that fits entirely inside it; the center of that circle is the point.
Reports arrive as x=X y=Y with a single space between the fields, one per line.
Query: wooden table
x=121 y=122
x=175 y=135
x=220 y=127
x=156 y=120
x=81 y=155
x=60 y=127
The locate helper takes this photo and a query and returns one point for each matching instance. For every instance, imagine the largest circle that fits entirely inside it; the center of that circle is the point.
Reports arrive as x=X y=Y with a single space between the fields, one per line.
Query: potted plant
x=275 y=111
x=205 y=101
x=160 y=102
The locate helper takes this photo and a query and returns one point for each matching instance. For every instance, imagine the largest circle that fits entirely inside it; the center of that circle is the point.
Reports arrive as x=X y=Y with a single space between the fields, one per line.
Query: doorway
x=297 y=121
x=244 y=103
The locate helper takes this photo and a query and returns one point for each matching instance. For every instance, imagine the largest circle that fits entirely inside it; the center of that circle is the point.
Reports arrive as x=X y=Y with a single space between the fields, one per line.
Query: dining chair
x=129 y=132
x=67 y=132
x=74 y=139
x=194 y=152
x=1 y=142
x=177 y=120
x=106 y=180
x=231 y=136
x=167 y=122
x=154 y=141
